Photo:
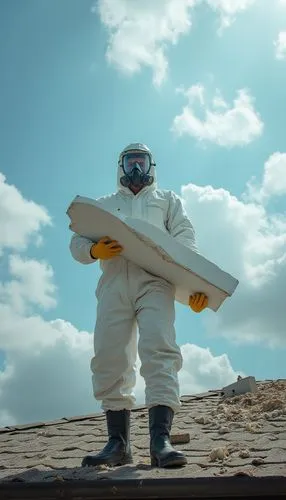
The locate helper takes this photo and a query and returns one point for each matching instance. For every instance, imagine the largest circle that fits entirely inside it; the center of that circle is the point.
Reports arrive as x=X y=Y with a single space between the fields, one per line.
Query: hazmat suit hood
x=126 y=190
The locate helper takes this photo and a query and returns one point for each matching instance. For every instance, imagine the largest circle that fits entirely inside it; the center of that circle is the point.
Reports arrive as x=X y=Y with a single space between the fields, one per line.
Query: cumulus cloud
x=46 y=370
x=274 y=179
x=273 y=182
x=253 y=250
x=223 y=124
x=202 y=370
x=139 y=32
x=32 y=284
x=20 y=219
x=228 y=9
x=46 y=373
x=280 y=46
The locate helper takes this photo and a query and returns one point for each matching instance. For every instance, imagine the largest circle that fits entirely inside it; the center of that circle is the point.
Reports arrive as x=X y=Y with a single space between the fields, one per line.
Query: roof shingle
x=241 y=436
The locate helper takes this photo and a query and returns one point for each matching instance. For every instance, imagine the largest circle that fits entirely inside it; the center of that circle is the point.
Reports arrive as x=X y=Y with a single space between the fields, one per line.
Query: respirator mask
x=136 y=166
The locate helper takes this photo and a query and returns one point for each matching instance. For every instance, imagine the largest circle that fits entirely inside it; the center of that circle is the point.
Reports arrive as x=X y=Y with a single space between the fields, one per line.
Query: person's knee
x=157 y=341
x=160 y=364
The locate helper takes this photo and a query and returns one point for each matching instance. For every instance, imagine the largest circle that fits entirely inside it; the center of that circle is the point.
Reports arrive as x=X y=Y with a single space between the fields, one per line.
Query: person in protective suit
x=128 y=296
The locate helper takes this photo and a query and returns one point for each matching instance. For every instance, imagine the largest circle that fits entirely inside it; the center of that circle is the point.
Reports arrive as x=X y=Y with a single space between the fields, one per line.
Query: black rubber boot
x=161 y=451
x=117 y=450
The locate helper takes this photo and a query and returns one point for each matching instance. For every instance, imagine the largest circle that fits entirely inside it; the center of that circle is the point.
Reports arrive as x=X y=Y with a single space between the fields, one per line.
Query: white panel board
x=155 y=251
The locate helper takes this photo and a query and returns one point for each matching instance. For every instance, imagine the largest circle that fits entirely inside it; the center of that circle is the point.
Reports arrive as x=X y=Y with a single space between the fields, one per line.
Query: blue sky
x=204 y=88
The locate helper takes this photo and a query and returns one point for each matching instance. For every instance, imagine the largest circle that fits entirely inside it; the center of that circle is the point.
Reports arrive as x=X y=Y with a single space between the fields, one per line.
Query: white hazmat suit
x=128 y=295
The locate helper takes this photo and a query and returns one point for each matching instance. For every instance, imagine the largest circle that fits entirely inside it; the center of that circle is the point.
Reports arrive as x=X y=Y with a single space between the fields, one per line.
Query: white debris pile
x=220 y=453
x=247 y=412
x=269 y=402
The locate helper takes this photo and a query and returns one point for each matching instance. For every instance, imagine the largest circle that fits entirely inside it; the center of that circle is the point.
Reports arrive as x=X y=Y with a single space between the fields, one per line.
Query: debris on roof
x=240 y=436
x=269 y=402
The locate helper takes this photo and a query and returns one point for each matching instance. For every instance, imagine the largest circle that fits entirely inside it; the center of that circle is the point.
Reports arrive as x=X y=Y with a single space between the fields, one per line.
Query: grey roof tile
x=92 y=416
x=5 y=429
x=58 y=421
x=242 y=436
x=28 y=426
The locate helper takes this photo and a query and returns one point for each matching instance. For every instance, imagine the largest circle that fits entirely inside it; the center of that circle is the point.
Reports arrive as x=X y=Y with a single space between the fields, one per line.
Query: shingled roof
x=231 y=443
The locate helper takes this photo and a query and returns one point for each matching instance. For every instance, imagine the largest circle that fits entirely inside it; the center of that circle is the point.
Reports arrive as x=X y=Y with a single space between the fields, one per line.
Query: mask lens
x=134 y=159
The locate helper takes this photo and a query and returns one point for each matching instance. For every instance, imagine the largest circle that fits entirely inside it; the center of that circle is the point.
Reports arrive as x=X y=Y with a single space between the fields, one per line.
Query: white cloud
x=33 y=284
x=218 y=101
x=273 y=181
x=280 y=46
x=228 y=9
x=222 y=124
x=46 y=374
x=139 y=32
x=20 y=219
x=253 y=250
x=203 y=371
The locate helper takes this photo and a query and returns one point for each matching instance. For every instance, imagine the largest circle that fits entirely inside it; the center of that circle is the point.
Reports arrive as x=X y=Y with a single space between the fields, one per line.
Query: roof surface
x=240 y=436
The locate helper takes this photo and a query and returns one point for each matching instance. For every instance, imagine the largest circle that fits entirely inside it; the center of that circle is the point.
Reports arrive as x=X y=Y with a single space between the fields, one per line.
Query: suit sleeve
x=179 y=224
x=80 y=249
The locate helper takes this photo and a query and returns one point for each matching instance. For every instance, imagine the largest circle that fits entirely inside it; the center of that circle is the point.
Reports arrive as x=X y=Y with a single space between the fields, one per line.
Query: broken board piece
x=154 y=250
x=180 y=438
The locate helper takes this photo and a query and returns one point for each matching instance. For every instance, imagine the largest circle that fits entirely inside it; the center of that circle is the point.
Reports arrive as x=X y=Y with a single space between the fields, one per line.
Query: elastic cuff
x=93 y=258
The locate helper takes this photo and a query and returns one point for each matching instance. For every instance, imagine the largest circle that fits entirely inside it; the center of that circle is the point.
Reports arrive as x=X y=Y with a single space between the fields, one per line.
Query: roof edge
x=202 y=487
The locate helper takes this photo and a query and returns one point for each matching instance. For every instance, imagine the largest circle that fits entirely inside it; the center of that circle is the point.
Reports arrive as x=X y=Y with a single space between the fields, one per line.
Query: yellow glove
x=105 y=249
x=198 y=302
